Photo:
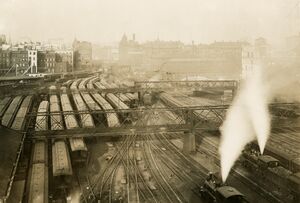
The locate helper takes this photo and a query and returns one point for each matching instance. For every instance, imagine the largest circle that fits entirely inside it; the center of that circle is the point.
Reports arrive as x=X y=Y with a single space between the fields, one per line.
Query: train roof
x=27 y=101
x=53 y=99
x=43 y=107
x=99 y=85
x=90 y=102
x=61 y=159
x=52 y=87
x=77 y=144
x=227 y=191
x=116 y=101
x=38 y=184
x=4 y=102
x=39 y=152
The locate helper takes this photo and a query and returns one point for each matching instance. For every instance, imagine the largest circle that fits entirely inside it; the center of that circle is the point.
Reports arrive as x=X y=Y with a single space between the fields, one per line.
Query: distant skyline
x=100 y=21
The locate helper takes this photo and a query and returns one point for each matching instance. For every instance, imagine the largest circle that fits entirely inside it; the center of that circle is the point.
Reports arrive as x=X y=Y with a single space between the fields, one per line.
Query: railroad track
x=148 y=194
x=177 y=168
x=114 y=164
x=105 y=177
x=166 y=189
x=238 y=173
x=183 y=159
x=84 y=185
x=141 y=189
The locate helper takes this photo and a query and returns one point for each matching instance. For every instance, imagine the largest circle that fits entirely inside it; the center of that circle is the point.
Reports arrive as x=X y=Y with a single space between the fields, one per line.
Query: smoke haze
x=107 y=20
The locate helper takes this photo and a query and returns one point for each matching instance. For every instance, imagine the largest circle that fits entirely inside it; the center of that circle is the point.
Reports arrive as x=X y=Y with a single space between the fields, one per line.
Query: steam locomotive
x=272 y=174
x=215 y=191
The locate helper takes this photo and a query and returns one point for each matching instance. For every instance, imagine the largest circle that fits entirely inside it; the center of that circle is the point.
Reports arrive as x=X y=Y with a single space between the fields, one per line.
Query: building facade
x=224 y=60
x=20 y=61
x=82 y=55
x=46 y=61
x=130 y=52
x=5 y=61
x=32 y=59
x=66 y=59
x=2 y=39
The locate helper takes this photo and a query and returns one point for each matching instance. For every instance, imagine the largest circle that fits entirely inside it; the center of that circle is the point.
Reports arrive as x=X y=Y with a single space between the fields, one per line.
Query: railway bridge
x=136 y=121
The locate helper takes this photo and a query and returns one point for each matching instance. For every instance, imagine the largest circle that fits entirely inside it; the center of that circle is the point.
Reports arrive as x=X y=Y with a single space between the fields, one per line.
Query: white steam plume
x=247 y=119
x=257 y=99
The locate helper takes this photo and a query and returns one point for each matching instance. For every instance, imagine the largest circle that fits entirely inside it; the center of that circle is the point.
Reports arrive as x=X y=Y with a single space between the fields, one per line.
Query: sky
x=105 y=21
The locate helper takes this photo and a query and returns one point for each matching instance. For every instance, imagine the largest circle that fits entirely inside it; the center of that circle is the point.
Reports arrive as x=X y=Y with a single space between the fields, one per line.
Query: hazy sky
x=185 y=20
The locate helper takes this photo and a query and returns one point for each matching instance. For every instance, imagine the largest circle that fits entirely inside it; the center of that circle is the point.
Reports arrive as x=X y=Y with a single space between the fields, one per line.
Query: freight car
x=118 y=104
x=42 y=120
x=55 y=115
x=4 y=103
x=79 y=152
x=9 y=115
x=287 y=157
x=92 y=105
x=61 y=169
x=19 y=121
x=86 y=118
x=269 y=172
x=38 y=174
x=100 y=86
x=74 y=85
x=214 y=191
x=70 y=120
x=67 y=83
x=112 y=119
x=90 y=84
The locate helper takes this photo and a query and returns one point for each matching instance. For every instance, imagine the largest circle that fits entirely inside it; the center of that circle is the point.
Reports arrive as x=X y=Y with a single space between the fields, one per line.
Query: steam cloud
x=248 y=119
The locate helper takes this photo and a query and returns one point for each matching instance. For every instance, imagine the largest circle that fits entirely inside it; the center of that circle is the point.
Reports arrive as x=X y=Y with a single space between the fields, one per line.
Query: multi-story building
x=130 y=52
x=33 y=58
x=106 y=54
x=46 y=61
x=231 y=60
x=65 y=57
x=5 y=62
x=2 y=39
x=249 y=61
x=82 y=55
x=20 y=61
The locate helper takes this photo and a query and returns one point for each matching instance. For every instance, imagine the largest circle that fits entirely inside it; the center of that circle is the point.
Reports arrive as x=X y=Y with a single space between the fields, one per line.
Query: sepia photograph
x=149 y=101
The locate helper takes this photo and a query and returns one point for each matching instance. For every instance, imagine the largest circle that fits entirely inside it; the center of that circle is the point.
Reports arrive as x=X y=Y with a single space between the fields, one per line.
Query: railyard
x=101 y=139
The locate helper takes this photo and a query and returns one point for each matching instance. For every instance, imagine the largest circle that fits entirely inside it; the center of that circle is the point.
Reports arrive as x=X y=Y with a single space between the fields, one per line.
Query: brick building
x=46 y=61
x=66 y=60
x=82 y=55
x=32 y=58
x=20 y=61
x=228 y=60
x=5 y=62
